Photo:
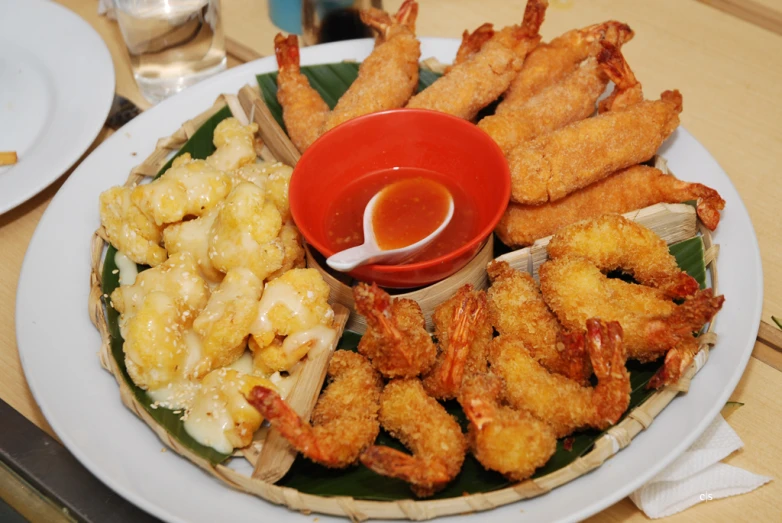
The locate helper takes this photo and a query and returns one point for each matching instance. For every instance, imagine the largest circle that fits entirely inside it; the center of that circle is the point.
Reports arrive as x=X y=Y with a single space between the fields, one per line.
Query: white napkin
x=698 y=476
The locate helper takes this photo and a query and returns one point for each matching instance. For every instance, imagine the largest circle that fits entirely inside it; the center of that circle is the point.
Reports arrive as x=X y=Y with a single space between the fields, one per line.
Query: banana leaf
x=331 y=80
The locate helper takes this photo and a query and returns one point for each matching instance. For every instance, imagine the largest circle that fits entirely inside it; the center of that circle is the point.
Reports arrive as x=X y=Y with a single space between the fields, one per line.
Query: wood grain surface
x=729 y=69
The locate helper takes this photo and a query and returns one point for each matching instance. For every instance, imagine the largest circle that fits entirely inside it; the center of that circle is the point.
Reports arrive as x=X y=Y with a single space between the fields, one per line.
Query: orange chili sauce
x=408 y=211
x=344 y=219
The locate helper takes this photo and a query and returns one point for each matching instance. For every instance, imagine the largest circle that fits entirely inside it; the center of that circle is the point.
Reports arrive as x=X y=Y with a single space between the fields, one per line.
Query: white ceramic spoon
x=370 y=252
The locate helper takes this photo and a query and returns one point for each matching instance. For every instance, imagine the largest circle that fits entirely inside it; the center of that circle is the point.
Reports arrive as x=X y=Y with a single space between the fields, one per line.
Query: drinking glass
x=172 y=43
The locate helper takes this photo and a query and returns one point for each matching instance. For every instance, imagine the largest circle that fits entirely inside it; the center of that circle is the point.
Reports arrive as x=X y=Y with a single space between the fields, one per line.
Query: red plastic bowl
x=401 y=138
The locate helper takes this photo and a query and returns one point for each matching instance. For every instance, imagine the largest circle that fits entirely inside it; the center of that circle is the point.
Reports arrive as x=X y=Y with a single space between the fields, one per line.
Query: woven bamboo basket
x=673 y=222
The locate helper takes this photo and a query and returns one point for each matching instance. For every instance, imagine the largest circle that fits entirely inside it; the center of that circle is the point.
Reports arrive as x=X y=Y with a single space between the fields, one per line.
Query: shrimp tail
x=574 y=358
x=470 y=313
x=673 y=98
x=473 y=42
x=608 y=355
x=627 y=90
x=376 y=306
x=425 y=476
x=286 y=49
x=408 y=14
x=688 y=318
x=708 y=205
x=534 y=14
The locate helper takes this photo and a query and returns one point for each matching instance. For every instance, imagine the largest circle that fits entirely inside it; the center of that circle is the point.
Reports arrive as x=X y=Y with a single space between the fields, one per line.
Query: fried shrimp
x=549 y=63
x=624 y=191
x=344 y=421
x=472 y=85
x=558 y=163
x=517 y=310
x=472 y=43
x=567 y=101
x=575 y=290
x=464 y=335
x=612 y=242
x=434 y=437
x=559 y=401
x=396 y=340
x=386 y=79
x=512 y=442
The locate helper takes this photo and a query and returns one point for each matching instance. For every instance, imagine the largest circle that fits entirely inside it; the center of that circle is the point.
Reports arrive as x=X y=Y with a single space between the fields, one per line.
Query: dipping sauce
x=344 y=219
x=408 y=211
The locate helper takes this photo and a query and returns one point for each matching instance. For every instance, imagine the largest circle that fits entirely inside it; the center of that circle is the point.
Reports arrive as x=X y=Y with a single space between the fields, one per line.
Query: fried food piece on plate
x=612 y=242
x=128 y=229
x=562 y=403
x=464 y=334
x=433 y=436
x=189 y=188
x=224 y=324
x=567 y=101
x=244 y=234
x=292 y=318
x=575 y=290
x=273 y=178
x=549 y=63
x=235 y=145
x=221 y=399
x=472 y=85
x=345 y=418
x=293 y=252
x=517 y=310
x=396 y=340
x=177 y=277
x=558 y=163
x=510 y=441
x=386 y=78
x=624 y=191
x=193 y=236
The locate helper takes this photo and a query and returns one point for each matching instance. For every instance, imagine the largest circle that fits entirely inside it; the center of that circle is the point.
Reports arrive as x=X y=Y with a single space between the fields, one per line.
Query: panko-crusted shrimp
x=245 y=231
x=177 y=277
x=612 y=242
x=512 y=442
x=464 y=334
x=128 y=229
x=517 y=310
x=551 y=62
x=189 y=188
x=235 y=145
x=345 y=419
x=624 y=191
x=386 y=78
x=396 y=340
x=575 y=290
x=224 y=324
x=562 y=403
x=472 y=85
x=222 y=397
x=556 y=164
x=434 y=437
x=193 y=236
x=292 y=318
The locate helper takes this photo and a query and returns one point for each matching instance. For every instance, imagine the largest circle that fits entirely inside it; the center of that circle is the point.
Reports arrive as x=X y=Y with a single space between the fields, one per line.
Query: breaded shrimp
x=612 y=242
x=303 y=110
x=575 y=290
x=517 y=310
x=556 y=164
x=560 y=402
x=567 y=101
x=624 y=191
x=423 y=426
x=344 y=421
x=472 y=85
x=396 y=340
x=464 y=334
x=551 y=62
x=387 y=78
x=512 y=442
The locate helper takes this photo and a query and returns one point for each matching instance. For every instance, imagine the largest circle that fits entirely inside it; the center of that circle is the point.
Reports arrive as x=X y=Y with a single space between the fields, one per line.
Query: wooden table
x=727 y=61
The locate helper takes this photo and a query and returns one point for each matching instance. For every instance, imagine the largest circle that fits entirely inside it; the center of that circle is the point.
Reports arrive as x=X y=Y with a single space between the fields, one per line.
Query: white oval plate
x=58 y=345
x=56 y=88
